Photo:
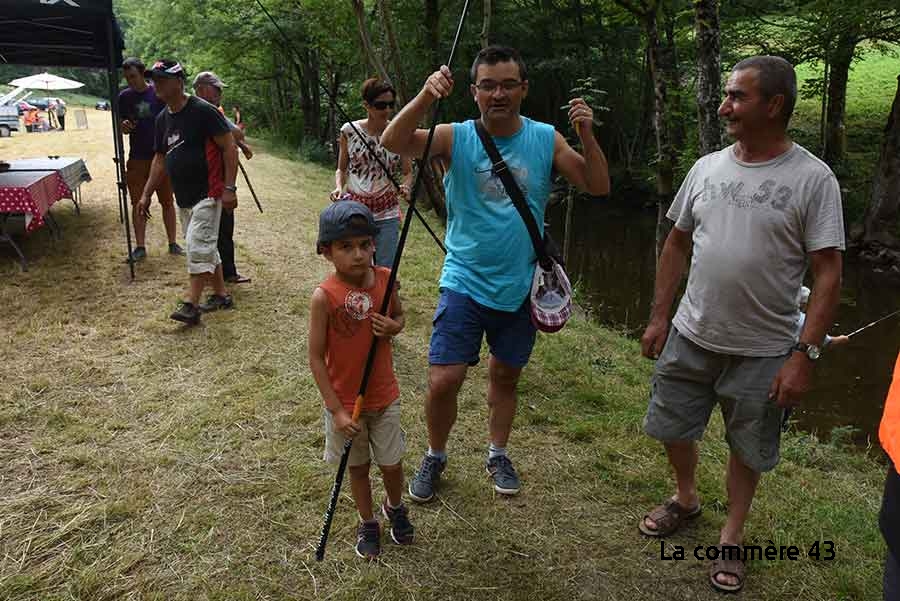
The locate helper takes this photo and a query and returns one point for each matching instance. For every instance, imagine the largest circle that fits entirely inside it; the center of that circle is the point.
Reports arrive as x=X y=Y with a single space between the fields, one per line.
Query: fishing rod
x=877 y=321
x=385 y=305
x=249 y=185
x=333 y=100
x=787 y=412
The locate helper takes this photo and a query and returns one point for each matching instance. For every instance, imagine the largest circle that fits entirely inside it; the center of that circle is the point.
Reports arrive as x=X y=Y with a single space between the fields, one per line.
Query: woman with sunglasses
x=359 y=177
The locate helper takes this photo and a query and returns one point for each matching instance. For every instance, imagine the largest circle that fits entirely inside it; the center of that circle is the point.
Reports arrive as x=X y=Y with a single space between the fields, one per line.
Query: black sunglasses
x=381 y=104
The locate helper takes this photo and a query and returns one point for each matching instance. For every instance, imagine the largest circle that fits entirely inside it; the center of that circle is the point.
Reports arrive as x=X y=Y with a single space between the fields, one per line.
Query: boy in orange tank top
x=342 y=325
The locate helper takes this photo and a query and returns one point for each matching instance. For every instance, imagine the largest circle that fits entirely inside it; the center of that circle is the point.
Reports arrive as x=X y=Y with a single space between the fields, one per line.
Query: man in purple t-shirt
x=138 y=108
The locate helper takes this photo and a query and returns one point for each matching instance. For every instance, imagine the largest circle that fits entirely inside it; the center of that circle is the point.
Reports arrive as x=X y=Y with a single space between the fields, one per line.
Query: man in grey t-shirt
x=753 y=216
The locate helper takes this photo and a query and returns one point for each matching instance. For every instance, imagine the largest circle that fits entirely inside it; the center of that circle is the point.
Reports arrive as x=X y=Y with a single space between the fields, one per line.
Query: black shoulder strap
x=501 y=170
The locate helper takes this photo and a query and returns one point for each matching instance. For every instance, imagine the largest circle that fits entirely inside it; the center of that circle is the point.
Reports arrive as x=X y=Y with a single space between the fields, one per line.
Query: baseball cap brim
x=344 y=226
x=151 y=73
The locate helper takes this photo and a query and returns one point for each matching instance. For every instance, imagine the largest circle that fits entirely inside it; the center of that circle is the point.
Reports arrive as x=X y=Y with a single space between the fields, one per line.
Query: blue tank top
x=490 y=256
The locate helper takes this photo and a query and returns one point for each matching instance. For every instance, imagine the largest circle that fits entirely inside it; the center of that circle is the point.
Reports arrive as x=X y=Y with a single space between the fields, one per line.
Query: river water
x=612 y=265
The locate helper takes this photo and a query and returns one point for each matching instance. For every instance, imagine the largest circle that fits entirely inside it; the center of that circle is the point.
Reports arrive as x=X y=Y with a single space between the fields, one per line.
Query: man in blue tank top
x=490 y=260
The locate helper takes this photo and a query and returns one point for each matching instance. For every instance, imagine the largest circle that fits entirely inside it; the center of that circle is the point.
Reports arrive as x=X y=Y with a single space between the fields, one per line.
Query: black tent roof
x=67 y=33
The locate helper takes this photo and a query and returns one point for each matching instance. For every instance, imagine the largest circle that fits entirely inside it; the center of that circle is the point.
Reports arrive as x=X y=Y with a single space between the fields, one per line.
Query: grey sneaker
x=187 y=313
x=368 y=540
x=421 y=487
x=502 y=472
x=214 y=302
x=402 y=530
x=174 y=249
x=138 y=253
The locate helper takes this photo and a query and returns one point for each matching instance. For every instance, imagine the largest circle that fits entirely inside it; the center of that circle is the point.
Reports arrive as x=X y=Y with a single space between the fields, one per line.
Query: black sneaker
x=138 y=253
x=174 y=249
x=186 y=313
x=502 y=472
x=214 y=302
x=368 y=540
x=402 y=530
x=421 y=487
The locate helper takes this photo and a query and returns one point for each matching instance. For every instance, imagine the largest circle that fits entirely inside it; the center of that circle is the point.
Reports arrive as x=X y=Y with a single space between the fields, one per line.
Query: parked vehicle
x=102 y=105
x=44 y=102
x=23 y=106
x=9 y=120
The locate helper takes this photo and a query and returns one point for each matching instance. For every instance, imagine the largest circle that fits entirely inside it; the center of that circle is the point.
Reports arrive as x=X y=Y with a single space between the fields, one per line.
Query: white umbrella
x=46 y=81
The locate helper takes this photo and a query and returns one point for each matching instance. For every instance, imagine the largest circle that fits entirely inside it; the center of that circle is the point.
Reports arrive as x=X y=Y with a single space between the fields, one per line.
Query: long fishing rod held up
x=385 y=304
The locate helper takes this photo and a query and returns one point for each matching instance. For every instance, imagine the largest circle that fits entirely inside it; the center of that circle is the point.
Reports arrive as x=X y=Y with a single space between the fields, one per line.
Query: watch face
x=813 y=352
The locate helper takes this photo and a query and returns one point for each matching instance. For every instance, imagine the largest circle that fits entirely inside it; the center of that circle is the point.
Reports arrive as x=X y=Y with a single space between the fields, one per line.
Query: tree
x=372 y=58
x=663 y=60
x=881 y=222
x=486 y=24
x=829 y=32
x=709 y=74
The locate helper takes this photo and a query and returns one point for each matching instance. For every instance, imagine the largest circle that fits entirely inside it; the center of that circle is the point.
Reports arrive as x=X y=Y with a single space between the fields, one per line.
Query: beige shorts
x=200 y=226
x=381 y=438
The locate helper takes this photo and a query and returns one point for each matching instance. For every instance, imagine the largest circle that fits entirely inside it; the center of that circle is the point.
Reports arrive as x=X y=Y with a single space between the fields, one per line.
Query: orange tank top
x=889 y=432
x=349 y=338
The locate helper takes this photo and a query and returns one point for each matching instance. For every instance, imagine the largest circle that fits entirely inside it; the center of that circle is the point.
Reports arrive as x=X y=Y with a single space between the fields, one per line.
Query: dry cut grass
x=141 y=460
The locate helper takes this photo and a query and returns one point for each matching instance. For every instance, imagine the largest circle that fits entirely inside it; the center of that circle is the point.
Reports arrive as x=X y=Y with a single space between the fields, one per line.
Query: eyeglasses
x=489 y=85
x=381 y=104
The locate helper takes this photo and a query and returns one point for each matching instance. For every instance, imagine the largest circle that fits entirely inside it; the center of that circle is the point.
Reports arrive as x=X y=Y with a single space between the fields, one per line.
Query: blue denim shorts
x=386 y=241
x=460 y=323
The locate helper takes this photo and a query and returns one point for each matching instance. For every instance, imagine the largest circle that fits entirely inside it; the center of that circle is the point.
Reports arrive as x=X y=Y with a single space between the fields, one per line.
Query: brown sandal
x=669 y=517
x=730 y=567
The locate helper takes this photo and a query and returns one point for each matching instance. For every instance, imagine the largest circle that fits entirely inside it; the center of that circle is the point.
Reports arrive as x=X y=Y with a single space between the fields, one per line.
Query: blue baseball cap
x=337 y=222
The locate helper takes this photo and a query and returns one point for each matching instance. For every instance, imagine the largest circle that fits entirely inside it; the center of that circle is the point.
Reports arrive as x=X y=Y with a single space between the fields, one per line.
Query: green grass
x=140 y=460
x=870 y=92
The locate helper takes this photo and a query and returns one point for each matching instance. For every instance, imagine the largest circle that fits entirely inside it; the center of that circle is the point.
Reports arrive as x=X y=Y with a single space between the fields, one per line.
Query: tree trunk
x=399 y=82
x=310 y=99
x=359 y=10
x=568 y=234
x=486 y=25
x=882 y=215
x=837 y=99
x=664 y=70
x=313 y=74
x=709 y=74
x=331 y=130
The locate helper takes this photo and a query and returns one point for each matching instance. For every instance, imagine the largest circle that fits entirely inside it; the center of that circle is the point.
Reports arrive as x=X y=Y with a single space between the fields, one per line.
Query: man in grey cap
x=208 y=86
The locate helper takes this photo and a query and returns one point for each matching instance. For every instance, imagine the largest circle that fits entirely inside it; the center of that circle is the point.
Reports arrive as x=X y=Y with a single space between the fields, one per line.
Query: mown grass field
x=142 y=460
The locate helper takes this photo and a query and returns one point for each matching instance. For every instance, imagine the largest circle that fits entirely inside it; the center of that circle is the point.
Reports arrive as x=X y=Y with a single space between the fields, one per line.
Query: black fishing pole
x=385 y=305
x=333 y=100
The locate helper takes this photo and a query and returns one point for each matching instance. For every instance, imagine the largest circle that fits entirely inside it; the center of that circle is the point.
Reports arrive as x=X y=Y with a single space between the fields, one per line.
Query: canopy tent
x=63 y=33
x=70 y=33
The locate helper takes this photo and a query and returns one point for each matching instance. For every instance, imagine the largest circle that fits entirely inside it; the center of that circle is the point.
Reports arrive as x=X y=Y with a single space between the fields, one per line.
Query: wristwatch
x=812 y=351
x=231 y=188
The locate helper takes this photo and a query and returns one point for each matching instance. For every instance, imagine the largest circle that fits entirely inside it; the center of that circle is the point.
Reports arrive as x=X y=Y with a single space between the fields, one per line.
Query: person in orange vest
x=31 y=119
x=889 y=520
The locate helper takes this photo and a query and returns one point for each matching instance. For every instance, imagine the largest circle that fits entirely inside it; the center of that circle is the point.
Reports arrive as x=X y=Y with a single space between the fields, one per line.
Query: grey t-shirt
x=753 y=225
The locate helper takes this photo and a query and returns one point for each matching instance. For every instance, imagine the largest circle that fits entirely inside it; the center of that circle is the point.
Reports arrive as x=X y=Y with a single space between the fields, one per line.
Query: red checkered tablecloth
x=31 y=193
